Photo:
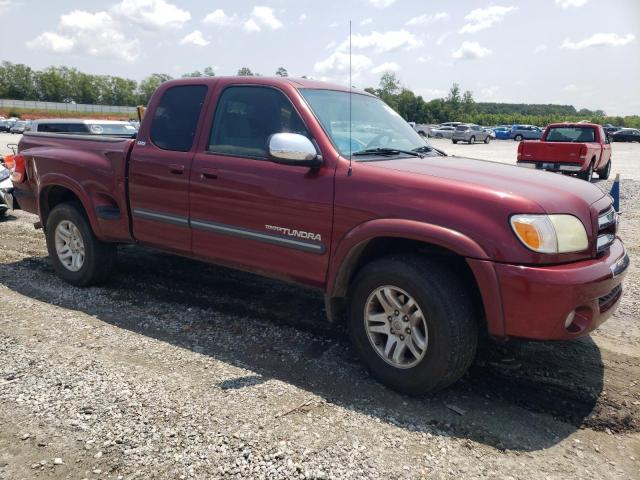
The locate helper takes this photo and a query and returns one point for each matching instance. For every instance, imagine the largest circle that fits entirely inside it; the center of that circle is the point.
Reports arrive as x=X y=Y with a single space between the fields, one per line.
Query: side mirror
x=293 y=149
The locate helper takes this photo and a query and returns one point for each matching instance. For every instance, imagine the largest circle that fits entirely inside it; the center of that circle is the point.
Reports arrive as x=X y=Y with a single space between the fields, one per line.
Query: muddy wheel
x=78 y=257
x=413 y=323
x=604 y=173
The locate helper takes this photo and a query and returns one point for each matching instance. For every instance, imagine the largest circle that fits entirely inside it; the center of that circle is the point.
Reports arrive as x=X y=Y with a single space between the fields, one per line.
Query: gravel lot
x=177 y=369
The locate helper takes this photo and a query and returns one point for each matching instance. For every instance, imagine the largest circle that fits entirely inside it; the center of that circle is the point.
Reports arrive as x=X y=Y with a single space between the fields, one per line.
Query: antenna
x=350 y=86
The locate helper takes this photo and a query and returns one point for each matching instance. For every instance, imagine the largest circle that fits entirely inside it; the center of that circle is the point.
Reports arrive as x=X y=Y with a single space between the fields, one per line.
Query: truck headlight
x=550 y=233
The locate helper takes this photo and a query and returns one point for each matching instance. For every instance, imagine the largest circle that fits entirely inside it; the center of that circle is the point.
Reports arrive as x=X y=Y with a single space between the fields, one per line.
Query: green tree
x=245 y=72
x=208 y=72
x=282 y=72
x=149 y=85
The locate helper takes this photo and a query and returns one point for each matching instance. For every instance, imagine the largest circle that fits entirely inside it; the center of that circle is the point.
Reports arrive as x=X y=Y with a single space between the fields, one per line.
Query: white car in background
x=443 y=131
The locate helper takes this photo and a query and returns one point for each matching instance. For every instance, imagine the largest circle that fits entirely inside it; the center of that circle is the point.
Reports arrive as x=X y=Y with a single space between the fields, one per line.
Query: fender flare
x=354 y=241
x=57 y=180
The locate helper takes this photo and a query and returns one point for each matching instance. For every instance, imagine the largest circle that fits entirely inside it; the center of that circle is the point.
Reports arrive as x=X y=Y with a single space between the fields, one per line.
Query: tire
x=99 y=257
x=518 y=138
x=587 y=174
x=448 y=313
x=454 y=141
x=603 y=173
x=487 y=139
x=438 y=135
x=472 y=139
x=422 y=134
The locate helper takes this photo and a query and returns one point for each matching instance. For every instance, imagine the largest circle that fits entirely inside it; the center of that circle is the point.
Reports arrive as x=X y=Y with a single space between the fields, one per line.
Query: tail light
x=520 y=151
x=583 y=152
x=18 y=172
x=8 y=161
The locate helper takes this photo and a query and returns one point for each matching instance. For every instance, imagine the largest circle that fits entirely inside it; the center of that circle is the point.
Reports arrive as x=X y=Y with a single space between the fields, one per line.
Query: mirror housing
x=293 y=149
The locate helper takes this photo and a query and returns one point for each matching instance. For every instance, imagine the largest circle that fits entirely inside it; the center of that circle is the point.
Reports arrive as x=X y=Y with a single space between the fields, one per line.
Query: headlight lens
x=550 y=233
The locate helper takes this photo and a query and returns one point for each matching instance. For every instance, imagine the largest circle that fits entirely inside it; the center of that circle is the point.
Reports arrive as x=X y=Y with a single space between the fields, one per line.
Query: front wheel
x=78 y=257
x=413 y=323
x=472 y=140
x=487 y=139
x=518 y=138
x=454 y=141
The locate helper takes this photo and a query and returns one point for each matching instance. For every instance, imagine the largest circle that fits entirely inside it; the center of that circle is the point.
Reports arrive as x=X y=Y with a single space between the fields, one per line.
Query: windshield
x=571 y=134
x=112 y=129
x=374 y=125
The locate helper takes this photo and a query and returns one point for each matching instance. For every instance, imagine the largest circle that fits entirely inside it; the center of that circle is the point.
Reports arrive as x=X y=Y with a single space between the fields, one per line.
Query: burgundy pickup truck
x=571 y=148
x=417 y=253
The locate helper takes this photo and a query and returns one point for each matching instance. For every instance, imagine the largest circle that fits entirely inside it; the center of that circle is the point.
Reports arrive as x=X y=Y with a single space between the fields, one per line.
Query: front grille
x=605 y=302
x=607 y=227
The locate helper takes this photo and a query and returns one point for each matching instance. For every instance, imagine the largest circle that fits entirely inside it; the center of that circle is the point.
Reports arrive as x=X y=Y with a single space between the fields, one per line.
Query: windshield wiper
x=387 y=151
x=429 y=148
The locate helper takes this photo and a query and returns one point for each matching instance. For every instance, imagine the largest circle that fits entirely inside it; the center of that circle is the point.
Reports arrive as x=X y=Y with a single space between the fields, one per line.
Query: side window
x=245 y=118
x=175 y=120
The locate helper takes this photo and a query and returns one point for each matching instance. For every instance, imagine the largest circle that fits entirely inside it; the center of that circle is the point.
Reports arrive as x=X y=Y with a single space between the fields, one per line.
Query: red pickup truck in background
x=311 y=183
x=570 y=148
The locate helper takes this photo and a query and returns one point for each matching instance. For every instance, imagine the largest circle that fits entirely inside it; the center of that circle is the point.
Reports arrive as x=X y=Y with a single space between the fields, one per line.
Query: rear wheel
x=487 y=139
x=413 y=323
x=472 y=140
x=454 y=141
x=76 y=254
x=587 y=174
x=518 y=138
x=604 y=172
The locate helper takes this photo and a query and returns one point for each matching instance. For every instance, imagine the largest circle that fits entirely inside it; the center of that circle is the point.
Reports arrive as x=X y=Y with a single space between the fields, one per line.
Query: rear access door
x=160 y=166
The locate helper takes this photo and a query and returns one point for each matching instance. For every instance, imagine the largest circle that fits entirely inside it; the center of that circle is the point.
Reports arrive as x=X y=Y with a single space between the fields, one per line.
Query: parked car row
x=71 y=126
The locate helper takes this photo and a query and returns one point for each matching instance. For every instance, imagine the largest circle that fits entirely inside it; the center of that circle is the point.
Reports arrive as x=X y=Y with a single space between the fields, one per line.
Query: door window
x=245 y=118
x=175 y=120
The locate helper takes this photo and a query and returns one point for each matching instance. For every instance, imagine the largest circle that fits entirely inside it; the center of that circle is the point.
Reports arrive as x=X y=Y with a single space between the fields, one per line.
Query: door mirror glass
x=293 y=149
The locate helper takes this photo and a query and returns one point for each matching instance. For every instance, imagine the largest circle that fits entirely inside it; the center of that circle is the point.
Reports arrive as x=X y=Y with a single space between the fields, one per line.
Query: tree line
x=461 y=107
x=65 y=84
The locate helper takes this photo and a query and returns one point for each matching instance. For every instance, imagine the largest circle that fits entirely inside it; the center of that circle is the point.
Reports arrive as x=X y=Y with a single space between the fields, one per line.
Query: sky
x=580 y=52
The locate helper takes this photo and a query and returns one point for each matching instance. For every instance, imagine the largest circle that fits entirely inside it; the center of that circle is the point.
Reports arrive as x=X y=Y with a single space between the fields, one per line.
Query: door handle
x=208 y=174
x=176 y=169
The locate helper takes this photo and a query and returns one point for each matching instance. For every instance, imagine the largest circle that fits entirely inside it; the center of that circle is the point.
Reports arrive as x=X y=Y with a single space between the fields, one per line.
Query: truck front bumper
x=561 y=302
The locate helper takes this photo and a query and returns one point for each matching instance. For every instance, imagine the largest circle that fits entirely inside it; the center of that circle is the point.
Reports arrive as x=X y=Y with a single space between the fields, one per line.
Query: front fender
x=354 y=241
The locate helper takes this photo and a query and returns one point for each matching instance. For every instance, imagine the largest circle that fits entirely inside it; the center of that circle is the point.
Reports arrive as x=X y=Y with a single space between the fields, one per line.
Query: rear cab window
x=571 y=134
x=175 y=120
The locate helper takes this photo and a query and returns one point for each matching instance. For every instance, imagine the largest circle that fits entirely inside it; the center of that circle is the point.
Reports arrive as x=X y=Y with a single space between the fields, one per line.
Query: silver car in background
x=470 y=133
x=442 y=132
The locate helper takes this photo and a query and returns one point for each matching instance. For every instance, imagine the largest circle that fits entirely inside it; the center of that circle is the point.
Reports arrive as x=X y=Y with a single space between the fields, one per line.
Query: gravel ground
x=177 y=369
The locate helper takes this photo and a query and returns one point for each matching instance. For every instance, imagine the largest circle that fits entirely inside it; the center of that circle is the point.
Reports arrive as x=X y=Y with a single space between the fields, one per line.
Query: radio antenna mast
x=350 y=86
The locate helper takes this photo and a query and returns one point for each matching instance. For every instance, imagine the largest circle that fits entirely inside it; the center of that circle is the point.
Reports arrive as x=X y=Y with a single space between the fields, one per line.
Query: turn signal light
x=18 y=171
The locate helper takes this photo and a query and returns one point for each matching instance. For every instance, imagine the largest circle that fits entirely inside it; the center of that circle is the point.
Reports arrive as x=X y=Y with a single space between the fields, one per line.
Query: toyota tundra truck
x=571 y=148
x=418 y=254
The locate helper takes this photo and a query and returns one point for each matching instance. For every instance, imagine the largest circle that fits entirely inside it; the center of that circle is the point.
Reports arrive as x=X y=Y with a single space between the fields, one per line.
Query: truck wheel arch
x=53 y=194
x=381 y=237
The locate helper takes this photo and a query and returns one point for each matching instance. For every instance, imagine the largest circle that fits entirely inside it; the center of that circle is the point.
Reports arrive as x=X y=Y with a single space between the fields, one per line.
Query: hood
x=555 y=193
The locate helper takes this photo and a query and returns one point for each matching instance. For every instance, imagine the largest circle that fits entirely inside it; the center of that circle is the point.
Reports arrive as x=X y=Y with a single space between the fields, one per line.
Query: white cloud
x=600 y=40
x=262 y=17
x=431 y=92
x=152 y=13
x=470 y=51
x=51 y=42
x=383 y=42
x=540 y=48
x=302 y=17
x=251 y=26
x=333 y=24
x=442 y=38
x=489 y=92
x=426 y=59
x=5 y=5
x=339 y=62
x=386 y=67
x=95 y=34
x=482 y=18
x=570 y=3
x=195 y=38
x=219 y=18
x=382 y=3
x=428 y=18
x=366 y=22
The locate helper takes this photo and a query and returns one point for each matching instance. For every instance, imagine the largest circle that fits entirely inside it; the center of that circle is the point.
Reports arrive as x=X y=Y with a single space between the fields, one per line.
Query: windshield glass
x=373 y=123
x=571 y=134
x=112 y=129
